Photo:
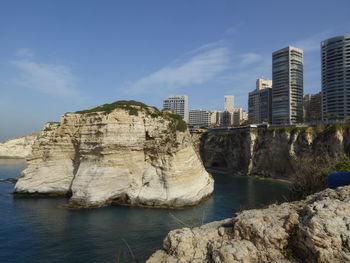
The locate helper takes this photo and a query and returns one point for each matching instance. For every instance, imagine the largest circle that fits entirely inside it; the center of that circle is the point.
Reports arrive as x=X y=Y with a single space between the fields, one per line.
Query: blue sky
x=61 y=56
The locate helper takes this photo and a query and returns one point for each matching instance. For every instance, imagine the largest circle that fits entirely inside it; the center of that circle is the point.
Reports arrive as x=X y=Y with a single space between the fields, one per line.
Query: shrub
x=311 y=174
x=130 y=105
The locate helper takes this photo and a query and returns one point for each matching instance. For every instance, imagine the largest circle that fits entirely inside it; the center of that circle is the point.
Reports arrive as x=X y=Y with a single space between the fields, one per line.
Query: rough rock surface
x=19 y=147
x=135 y=156
x=270 y=152
x=316 y=229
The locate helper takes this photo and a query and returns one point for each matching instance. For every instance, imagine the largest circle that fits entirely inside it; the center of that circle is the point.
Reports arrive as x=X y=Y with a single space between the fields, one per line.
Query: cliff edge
x=316 y=229
x=19 y=147
x=124 y=152
x=273 y=152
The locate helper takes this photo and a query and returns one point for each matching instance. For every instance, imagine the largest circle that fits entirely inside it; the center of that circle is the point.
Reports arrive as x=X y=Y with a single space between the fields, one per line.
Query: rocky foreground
x=19 y=147
x=316 y=229
x=124 y=152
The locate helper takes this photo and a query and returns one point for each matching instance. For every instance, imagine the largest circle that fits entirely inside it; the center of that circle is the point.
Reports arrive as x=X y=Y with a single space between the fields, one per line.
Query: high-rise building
x=312 y=104
x=229 y=103
x=202 y=118
x=259 y=102
x=178 y=104
x=287 y=86
x=335 y=53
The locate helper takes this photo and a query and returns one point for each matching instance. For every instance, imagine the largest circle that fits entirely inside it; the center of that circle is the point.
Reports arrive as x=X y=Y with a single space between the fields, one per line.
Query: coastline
x=229 y=173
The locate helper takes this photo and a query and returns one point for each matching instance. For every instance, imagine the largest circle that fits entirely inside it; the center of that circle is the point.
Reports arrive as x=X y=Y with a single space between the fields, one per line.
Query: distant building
x=335 y=53
x=219 y=118
x=239 y=116
x=227 y=118
x=312 y=104
x=229 y=103
x=178 y=104
x=287 y=86
x=259 y=102
x=202 y=118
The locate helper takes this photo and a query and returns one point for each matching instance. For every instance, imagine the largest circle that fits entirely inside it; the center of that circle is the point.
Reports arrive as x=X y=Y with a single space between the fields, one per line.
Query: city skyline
x=64 y=56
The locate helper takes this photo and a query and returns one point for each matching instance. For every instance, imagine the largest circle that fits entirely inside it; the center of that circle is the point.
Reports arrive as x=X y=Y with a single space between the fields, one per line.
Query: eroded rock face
x=316 y=229
x=134 y=157
x=19 y=147
x=269 y=152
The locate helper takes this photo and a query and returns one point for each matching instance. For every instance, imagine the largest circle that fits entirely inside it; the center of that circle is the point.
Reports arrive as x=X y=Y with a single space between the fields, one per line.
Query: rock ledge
x=316 y=229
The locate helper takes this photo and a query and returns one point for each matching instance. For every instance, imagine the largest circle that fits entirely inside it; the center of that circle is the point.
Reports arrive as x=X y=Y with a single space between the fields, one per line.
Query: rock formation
x=271 y=152
x=19 y=147
x=315 y=230
x=125 y=152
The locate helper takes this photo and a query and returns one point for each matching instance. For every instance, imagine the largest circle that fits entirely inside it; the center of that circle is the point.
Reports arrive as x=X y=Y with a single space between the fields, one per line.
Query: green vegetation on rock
x=129 y=105
x=311 y=177
x=177 y=123
x=134 y=107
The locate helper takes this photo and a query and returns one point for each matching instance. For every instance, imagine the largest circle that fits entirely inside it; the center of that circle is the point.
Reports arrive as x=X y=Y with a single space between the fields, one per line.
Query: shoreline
x=229 y=173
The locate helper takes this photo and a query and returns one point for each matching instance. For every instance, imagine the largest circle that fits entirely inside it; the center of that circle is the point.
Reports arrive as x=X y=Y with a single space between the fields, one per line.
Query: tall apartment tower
x=229 y=103
x=287 y=86
x=335 y=53
x=259 y=102
x=177 y=104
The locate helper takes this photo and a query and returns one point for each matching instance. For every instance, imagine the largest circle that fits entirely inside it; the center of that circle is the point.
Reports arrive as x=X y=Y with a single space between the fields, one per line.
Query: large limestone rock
x=133 y=154
x=19 y=147
x=315 y=230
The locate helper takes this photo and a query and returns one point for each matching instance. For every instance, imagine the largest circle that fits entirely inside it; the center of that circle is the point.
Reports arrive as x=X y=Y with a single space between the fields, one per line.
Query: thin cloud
x=52 y=79
x=312 y=43
x=196 y=70
x=250 y=58
x=25 y=53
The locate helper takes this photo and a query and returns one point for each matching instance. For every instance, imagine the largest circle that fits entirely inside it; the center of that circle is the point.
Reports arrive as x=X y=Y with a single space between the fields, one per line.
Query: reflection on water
x=36 y=230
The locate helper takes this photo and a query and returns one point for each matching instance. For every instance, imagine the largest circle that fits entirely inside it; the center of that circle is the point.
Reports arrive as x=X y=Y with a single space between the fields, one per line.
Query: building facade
x=202 y=118
x=260 y=102
x=178 y=104
x=335 y=54
x=239 y=116
x=312 y=105
x=287 y=86
x=229 y=103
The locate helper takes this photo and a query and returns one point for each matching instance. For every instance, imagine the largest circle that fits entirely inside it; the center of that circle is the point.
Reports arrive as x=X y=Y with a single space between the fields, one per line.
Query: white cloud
x=196 y=70
x=56 y=80
x=250 y=58
x=25 y=53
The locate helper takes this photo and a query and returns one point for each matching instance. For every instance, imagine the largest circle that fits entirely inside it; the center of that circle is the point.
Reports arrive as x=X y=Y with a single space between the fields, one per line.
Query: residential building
x=178 y=104
x=312 y=104
x=239 y=116
x=259 y=102
x=226 y=118
x=229 y=103
x=219 y=117
x=287 y=86
x=202 y=118
x=335 y=56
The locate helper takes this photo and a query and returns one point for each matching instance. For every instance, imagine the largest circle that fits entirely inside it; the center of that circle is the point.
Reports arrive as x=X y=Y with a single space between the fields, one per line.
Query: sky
x=62 y=56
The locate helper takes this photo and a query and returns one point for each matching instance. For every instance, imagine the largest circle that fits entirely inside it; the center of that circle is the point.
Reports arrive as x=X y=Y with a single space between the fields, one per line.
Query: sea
x=38 y=230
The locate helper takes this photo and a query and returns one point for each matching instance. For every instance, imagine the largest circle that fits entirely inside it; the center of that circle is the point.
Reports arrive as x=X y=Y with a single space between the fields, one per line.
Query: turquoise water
x=36 y=230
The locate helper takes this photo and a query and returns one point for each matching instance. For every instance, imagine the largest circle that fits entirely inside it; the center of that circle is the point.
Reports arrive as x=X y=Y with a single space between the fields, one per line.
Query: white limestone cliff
x=132 y=154
x=19 y=147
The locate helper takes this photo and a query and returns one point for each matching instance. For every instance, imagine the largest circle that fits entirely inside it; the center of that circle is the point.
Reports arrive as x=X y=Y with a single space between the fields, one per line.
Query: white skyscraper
x=229 y=103
x=287 y=86
x=177 y=104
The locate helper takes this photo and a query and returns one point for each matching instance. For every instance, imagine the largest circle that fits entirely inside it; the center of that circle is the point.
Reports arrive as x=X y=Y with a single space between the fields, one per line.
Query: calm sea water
x=36 y=230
